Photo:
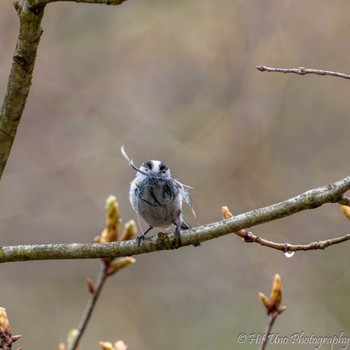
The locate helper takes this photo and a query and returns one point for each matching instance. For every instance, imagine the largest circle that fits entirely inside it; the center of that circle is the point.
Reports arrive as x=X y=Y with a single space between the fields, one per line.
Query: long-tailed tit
x=157 y=197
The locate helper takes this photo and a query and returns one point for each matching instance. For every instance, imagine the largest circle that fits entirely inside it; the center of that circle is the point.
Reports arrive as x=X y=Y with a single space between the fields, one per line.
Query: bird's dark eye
x=148 y=165
x=163 y=167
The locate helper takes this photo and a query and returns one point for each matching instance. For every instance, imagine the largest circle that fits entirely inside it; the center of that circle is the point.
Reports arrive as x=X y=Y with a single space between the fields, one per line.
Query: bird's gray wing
x=185 y=195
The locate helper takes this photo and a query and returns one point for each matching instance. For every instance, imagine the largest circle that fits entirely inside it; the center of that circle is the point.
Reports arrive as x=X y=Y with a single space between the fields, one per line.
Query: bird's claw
x=139 y=239
x=178 y=235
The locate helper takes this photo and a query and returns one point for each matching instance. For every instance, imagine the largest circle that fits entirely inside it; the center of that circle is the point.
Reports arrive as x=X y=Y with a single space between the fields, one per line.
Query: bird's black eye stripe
x=163 y=167
x=148 y=165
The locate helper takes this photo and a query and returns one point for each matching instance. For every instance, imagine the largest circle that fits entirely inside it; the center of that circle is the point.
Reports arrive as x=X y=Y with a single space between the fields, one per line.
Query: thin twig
x=308 y=200
x=100 y=281
x=272 y=319
x=108 y=267
x=249 y=237
x=303 y=71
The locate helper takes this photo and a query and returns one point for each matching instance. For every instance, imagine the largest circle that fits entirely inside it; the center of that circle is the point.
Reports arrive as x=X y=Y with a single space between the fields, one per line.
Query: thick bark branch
x=308 y=200
x=30 y=14
x=20 y=77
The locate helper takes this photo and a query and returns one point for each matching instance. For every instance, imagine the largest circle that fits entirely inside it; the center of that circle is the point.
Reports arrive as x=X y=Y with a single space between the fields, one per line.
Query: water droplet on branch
x=289 y=254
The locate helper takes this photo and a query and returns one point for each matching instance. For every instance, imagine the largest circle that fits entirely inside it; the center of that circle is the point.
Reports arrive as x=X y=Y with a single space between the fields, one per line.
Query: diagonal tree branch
x=308 y=200
x=20 y=77
x=303 y=71
x=30 y=14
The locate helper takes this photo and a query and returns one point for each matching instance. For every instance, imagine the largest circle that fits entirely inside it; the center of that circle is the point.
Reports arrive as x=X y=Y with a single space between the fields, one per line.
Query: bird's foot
x=140 y=238
x=178 y=236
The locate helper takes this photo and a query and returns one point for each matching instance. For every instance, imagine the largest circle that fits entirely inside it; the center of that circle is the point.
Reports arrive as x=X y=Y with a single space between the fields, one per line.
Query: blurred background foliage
x=176 y=81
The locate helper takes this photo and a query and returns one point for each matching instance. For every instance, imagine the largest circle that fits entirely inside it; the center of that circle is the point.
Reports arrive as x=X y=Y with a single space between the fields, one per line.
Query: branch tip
x=302 y=71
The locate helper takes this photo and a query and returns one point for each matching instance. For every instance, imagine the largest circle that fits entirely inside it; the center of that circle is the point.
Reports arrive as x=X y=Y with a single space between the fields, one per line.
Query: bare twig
x=249 y=237
x=100 y=281
x=272 y=319
x=308 y=200
x=108 y=268
x=303 y=71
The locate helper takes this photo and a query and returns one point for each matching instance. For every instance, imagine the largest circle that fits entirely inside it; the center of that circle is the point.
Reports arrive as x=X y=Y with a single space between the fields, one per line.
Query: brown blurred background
x=177 y=81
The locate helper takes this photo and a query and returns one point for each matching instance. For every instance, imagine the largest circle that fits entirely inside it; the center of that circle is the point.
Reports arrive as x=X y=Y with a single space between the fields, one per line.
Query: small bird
x=157 y=197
